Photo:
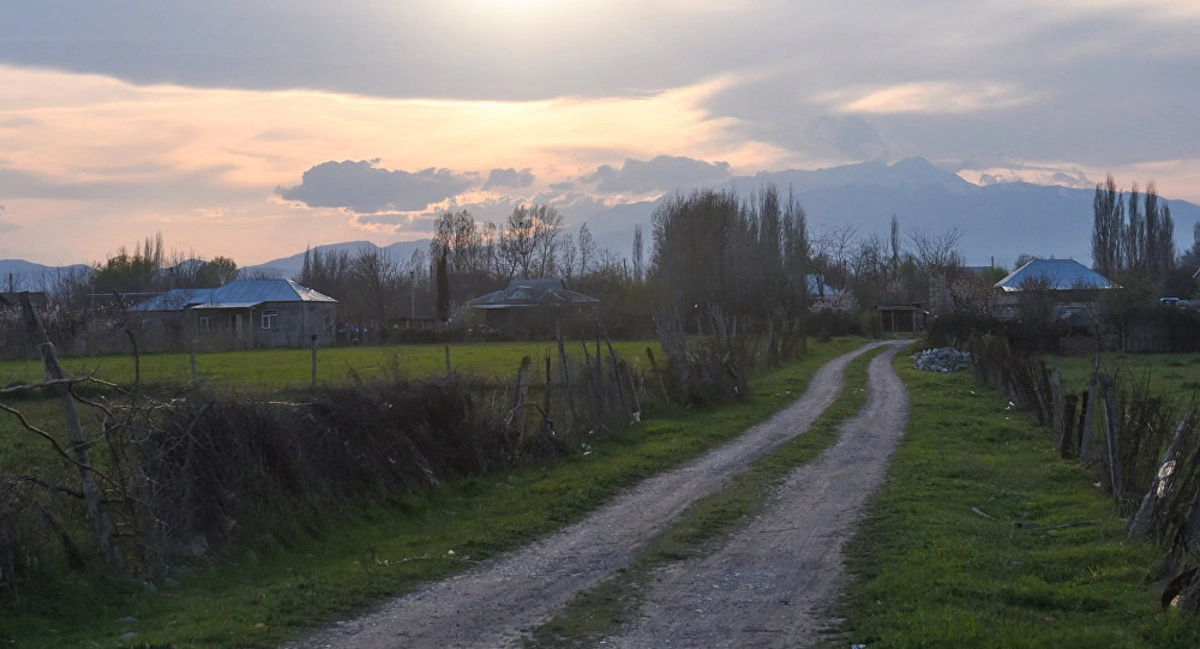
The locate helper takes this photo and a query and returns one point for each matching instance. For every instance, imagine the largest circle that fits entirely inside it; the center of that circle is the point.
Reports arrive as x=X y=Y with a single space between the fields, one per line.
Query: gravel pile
x=943 y=359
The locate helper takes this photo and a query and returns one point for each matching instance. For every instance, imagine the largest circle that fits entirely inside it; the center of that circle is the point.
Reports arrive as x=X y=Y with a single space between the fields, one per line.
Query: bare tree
x=936 y=251
x=567 y=255
x=587 y=249
x=517 y=242
x=375 y=286
x=547 y=233
x=638 y=255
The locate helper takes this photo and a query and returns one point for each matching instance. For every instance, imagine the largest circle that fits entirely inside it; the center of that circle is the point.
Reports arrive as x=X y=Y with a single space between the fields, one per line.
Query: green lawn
x=280 y=368
x=1174 y=376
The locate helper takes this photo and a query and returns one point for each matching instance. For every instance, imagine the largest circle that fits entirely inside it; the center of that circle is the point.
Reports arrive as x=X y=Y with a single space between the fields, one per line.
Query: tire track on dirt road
x=495 y=604
x=771 y=583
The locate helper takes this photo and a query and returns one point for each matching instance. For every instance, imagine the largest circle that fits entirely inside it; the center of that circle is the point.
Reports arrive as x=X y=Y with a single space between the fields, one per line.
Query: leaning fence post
x=1162 y=481
x=79 y=444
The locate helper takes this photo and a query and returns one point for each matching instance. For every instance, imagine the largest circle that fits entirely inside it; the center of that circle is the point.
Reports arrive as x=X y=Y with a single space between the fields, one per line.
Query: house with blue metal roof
x=243 y=313
x=529 y=305
x=1069 y=290
x=1055 y=275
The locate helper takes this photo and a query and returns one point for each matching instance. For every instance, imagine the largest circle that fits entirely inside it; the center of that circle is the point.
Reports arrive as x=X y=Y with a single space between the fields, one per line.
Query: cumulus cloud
x=5 y=227
x=498 y=178
x=363 y=187
x=660 y=174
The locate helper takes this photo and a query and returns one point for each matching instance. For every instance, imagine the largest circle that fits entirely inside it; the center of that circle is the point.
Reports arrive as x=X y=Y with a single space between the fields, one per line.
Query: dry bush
x=223 y=465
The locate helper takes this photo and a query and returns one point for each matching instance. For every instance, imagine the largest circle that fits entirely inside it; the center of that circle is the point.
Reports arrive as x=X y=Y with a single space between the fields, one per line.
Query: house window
x=270 y=319
x=206 y=323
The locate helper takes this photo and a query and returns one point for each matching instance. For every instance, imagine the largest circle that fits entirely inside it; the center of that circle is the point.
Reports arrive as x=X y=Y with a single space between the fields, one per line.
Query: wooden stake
x=79 y=446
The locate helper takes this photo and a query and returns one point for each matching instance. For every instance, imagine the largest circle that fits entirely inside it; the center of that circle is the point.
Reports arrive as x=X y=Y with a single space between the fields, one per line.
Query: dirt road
x=768 y=585
x=497 y=603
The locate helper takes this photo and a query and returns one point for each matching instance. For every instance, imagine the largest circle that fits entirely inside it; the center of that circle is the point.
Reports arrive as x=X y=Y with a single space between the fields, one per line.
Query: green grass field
x=283 y=368
x=1174 y=376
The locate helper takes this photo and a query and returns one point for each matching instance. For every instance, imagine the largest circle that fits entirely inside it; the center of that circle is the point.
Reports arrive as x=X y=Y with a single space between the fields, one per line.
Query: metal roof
x=237 y=294
x=176 y=299
x=225 y=305
x=1059 y=275
x=267 y=290
x=530 y=293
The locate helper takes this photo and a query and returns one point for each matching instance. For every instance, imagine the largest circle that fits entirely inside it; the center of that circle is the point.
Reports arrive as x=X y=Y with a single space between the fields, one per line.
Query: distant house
x=525 y=302
x=250 y=313
x=1064 y=289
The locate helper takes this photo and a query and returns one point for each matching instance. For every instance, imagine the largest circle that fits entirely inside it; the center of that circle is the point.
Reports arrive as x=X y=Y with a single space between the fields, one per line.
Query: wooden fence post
x=1161 y=483
x=1091 y=397
x=1112 y=427
x=1057 y=410
x=1069 y=417
x=520 y=398
x=658 y=374
x=566 y=369
x=79 y=445
x=547 y=427
x=612 y=355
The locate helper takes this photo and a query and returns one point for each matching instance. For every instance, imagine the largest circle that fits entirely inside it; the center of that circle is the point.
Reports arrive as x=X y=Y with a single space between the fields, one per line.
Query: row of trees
x=1132 y=234
x=148 y=269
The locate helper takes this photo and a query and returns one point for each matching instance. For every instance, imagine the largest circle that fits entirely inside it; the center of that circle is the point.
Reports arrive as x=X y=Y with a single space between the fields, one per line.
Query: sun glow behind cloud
x=934 y=97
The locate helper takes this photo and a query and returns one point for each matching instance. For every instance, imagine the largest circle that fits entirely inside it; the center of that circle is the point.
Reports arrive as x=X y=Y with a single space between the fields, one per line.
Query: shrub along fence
x=1146 y=452
x=151 y=480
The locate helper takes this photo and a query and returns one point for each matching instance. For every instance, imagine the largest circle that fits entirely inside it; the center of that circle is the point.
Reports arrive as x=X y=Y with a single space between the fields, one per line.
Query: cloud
x=846 y=136
x=936 y=97
x=5 y=227
x=366 y=189
x=508 y=178
x=660 y=174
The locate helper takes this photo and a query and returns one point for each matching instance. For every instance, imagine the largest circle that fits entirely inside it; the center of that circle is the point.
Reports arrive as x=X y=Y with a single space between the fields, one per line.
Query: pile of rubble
x=943 y=359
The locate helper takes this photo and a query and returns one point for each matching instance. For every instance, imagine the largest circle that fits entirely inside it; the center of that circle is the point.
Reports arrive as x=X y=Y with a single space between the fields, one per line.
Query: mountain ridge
x=997 y=221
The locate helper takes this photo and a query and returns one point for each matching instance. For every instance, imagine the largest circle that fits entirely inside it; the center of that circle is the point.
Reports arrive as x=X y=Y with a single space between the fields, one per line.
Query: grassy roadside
x=260 y=597
x=982 y=538
x=603 y=610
